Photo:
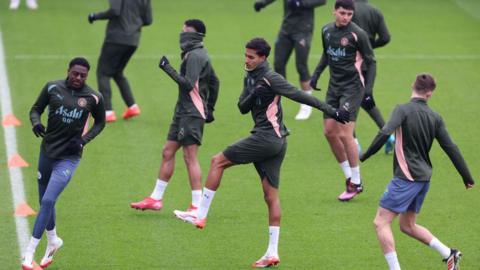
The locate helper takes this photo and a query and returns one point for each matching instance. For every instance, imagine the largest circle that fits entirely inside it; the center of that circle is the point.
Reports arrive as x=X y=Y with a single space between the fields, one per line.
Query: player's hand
x=341 y=115
x=258 y=6
x=314 y=81
x=38 y=130
x=368 y=102
x=163 y=62
x=91 y=17
x=75 y=145
x=362 y=157
x=469 y=184
x=295 y=4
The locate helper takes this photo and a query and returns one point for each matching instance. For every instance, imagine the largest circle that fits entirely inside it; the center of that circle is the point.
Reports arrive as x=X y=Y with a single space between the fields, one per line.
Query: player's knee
x=329 y=133
x=270 y=199
x=378 y=223
x=47 y=202
x=406 y=228
x=216 y=160
x=168 y=154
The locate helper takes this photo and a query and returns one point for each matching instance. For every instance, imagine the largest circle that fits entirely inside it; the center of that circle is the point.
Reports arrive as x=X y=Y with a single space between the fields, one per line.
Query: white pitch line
x=406 y=56
x=16 y=177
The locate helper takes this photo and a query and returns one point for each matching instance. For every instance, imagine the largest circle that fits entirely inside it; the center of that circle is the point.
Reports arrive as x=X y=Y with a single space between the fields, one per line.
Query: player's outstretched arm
x=39 y=106
x=451 y=149
x=260 y=4
x=114 y=11
x=383 y=135
x=184 y=84
x=376 y=145
x=282 y=87
x=318 y=72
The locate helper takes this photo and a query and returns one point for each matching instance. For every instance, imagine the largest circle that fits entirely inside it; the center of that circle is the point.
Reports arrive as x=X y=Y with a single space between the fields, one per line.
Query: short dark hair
x=346 y=4
x=260 y=46
x=79 y=61
x=197 y=24
x=424 y=83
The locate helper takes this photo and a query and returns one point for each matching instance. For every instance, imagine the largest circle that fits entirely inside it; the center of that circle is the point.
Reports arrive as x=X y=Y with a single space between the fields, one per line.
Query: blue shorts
x=403 y=196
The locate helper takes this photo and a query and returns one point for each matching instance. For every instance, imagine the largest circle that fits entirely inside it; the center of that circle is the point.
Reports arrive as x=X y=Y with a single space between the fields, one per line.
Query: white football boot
x=52 y=248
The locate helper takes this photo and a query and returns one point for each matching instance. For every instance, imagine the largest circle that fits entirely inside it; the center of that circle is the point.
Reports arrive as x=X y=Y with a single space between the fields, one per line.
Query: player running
x=126 y=18
x=70 y=103
x=415 y=126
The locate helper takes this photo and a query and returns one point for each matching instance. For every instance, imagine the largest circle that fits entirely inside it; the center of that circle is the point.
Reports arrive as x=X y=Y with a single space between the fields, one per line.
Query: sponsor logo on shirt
x=68 y=116
x=337 y=53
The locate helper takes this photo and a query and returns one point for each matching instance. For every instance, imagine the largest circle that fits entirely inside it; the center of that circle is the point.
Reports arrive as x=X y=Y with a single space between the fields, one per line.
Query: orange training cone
x=11 y=120
x=24 y=210
x=17 y=161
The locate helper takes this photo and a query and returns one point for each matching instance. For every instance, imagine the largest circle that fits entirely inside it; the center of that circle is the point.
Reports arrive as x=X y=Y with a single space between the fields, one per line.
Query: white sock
x=346 y=169
x=392 y=260
x=52 y=235
x=160 y=187
x=32 y=245
x=107 y=113
x=355 y=175
x=274 y=233
x=440 y=247
x=207 y=198
x=196 y=197
x=133 y=106
x=308 y=91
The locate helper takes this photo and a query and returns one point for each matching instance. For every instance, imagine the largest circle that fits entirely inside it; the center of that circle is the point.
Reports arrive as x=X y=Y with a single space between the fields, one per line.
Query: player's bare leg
x=154 y=201
x=409 y=226
x=271 y=257
x=342 y=143
x=194 y=174
x=383 y=221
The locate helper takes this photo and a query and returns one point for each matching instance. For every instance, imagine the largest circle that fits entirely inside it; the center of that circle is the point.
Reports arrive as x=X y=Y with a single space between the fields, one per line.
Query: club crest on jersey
x=344 y=41
x=82 y=102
